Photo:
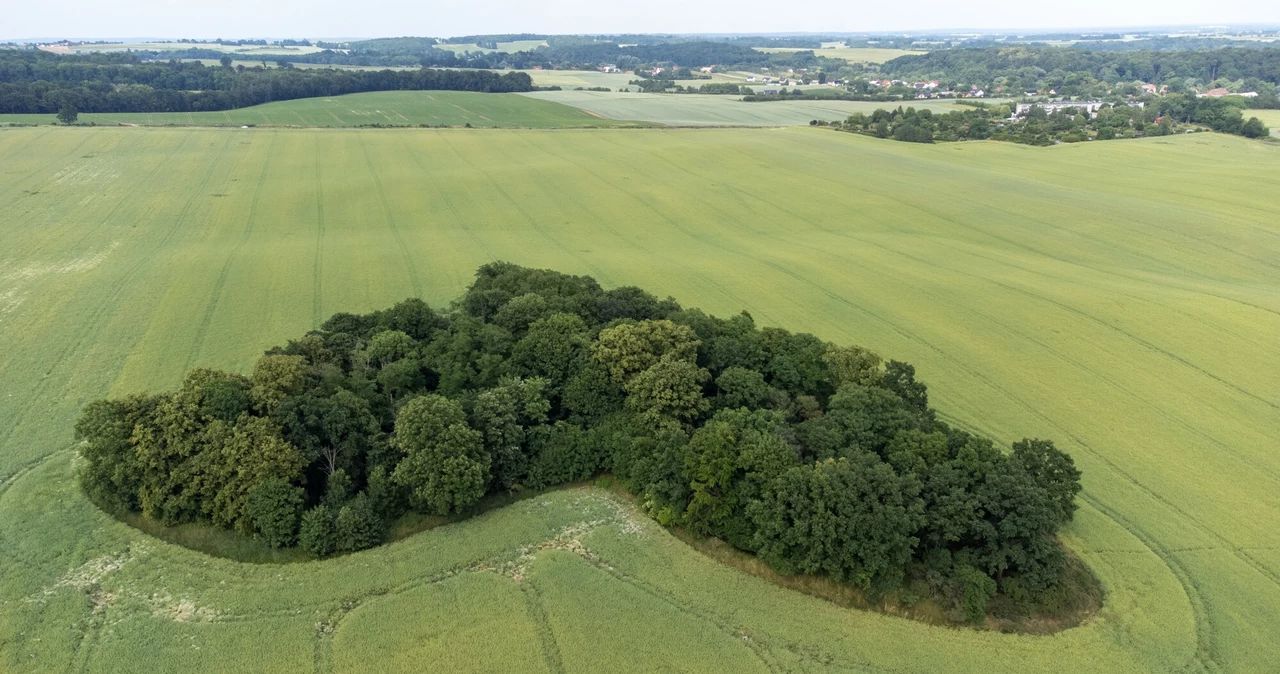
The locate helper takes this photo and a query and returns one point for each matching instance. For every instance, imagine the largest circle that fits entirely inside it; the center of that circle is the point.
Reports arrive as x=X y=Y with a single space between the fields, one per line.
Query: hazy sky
x=374 y=18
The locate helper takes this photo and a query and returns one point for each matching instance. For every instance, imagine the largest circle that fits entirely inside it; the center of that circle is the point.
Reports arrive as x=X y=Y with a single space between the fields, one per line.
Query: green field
x=397 y=108
x=708 y=110
x=1269 y=117
x=834 y=50
x=1121 y=298
x=505 y=47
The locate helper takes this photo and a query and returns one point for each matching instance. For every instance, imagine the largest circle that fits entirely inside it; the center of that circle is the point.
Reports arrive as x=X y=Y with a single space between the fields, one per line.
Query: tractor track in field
x=318 y=260
x=1206 y=529
x=755 y=311
x=992 y=205
x=537 y=615
x=410 y=267
x=220 y=283
x=1172 y=418
x=1180 y=572
x=101 y=309
x=448 y=201
x=519 y=208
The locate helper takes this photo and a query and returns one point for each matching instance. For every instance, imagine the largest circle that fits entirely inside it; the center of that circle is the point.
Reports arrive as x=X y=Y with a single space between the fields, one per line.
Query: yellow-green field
x=387 y=108
x=717 y=110
x=1122 y=298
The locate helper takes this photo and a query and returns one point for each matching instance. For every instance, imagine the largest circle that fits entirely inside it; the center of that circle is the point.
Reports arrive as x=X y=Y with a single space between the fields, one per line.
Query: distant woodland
x=40 y=82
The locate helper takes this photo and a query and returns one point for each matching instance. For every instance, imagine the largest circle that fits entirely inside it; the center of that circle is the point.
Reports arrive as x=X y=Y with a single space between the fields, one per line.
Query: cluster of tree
x=819 y=458
x=39 y=82
x=1074 y=71
x=1167 y=43
x=1169 y=115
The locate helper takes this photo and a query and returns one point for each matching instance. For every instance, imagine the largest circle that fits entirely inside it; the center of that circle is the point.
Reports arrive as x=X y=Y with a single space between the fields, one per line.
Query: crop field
x=713 y=110
x=505 y=47
x=850 y=54
x=398 y=108
x=1120 y=297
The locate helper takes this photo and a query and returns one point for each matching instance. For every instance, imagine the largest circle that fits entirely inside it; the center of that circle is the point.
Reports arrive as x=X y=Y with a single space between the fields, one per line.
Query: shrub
x=357 y=525
x=275 y=507
x=316 y=534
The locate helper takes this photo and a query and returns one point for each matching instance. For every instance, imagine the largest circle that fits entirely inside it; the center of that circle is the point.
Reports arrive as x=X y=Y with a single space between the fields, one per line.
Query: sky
x=79 y=19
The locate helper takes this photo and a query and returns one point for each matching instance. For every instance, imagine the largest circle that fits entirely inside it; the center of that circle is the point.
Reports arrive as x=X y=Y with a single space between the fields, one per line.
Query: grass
x=1118 y=297
x=387 y=108
x=714 y=110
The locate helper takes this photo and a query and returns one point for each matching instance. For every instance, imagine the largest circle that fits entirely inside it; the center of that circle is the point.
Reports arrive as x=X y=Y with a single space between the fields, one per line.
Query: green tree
x=275 y=508
x=111 y=474
x=554 y=347
x=253 y=452
x=900 y=378
x=869 y=416
x=445 y=467
x=504 y=414
x=728 y=462
x=388 y=346
x=358 y=525
x=670 y=390
x=68 y=113
x=852 y=365
x=740 y=387
x=316 y=533
x=851 y=518
x=1053 y=471
x=1254 y=128
x=275 y=378
x=630 y=348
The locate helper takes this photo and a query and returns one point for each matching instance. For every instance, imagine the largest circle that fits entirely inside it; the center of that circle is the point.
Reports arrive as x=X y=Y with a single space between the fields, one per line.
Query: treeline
x=36 y=82
x=1029 y=65
x=1168 y=115
x=819 y=458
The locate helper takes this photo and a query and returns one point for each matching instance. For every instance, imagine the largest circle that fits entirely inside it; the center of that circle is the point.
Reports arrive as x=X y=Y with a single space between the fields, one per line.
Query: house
x=1248 y=94
x=608 y=68
x=770 y=92
x=751 y=79
x=706 y=69
x=1149 y=89
x=1214 y=93
x=1090 y=107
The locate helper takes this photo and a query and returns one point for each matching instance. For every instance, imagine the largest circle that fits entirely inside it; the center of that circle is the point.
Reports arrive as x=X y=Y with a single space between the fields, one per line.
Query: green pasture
x=396 y=108
x=1120 y=297
x=712 y=110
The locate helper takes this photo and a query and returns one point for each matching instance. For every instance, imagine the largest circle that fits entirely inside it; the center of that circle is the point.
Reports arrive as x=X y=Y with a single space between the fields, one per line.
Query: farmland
x=1065 y=292
x=708 y=110
x=505 y=47
x=395 y=108
x=850 y=54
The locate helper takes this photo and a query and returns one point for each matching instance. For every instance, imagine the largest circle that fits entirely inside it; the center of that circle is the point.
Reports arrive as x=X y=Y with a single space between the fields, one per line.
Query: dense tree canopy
x=820 y=458
x=40 y=82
